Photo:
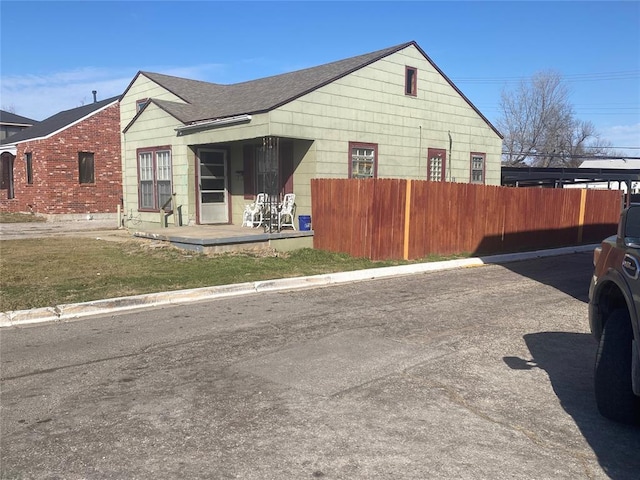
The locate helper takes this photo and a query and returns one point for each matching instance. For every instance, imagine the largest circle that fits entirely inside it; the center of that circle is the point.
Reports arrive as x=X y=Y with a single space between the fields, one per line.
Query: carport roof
x=542 y=177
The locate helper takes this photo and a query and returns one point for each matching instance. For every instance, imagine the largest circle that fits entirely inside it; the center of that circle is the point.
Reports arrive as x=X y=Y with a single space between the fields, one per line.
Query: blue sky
x=53 y=53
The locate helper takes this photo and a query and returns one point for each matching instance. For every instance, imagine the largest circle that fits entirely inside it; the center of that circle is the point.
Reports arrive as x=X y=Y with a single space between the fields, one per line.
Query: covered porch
x=230 y=175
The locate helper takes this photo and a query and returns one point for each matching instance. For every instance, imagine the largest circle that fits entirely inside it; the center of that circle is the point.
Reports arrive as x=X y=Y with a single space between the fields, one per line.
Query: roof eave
x=13 y=124
x=65 y=127
x=214 y=123
x=11 y=148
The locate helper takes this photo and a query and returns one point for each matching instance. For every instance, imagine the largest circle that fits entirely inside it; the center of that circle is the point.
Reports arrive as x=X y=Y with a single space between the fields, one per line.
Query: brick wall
x=56 y=187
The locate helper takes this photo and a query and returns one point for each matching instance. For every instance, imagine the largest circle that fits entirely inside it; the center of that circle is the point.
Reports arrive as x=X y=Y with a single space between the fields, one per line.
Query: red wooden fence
x=395 y=219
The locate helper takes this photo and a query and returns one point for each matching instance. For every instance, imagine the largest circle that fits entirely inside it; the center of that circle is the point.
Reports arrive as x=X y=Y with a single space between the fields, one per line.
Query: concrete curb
x=113 y=305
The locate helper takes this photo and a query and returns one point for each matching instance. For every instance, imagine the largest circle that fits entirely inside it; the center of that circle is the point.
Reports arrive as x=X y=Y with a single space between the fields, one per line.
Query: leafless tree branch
x=539 y=126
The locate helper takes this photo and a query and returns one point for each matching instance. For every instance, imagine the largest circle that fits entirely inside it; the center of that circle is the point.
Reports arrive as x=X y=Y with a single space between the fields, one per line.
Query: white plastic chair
x=287 y=211
x=253 y=215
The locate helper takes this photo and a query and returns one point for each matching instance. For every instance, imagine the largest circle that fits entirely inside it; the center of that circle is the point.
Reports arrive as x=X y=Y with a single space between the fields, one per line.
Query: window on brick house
x=477 y=167
x=363 y=159
x=154 y=178
x=86 y=167
x=28 y=163
x=411 y=81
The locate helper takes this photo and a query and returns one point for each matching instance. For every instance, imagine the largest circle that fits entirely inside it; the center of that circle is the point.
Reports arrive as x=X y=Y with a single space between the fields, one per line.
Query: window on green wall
x=154 y=178
x=436 y=164
x=477 y=167
x=411 y=81
x=363 y=160
x=141 y=103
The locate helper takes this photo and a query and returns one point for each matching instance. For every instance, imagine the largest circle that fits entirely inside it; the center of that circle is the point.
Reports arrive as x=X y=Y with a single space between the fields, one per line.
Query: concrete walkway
x=19 y=231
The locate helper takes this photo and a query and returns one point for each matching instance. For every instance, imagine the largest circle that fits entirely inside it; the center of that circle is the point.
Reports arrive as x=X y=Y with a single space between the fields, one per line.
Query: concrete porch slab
x=224 y=238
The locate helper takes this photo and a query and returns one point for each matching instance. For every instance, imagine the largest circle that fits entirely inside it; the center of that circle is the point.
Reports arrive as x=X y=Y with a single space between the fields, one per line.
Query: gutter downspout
x=450 y=159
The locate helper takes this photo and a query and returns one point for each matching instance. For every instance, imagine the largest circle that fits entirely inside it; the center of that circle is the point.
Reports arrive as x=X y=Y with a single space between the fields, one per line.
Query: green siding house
x=386 y=114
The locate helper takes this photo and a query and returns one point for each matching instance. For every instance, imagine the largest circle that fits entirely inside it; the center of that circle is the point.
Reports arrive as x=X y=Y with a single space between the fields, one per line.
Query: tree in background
x=540 y=129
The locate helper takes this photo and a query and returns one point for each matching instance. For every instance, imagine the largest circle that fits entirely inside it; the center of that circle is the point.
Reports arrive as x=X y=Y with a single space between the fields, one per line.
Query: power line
x=620 y=148
x=572 y=156
x=578 y=112
x=607 y=108
x=576 y=77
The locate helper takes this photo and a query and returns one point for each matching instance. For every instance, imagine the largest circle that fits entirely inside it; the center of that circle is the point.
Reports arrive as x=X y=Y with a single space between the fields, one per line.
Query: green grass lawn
x=57 y=270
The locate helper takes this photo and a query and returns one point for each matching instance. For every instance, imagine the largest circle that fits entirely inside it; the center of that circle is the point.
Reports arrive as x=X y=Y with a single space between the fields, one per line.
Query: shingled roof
x=58 y=122
x=8 y=118
x=210 y=101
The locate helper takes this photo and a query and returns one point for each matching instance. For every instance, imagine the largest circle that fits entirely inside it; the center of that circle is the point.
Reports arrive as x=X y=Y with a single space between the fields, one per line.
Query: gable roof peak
x=59 y=121
x=206 y=101
x=365 y=58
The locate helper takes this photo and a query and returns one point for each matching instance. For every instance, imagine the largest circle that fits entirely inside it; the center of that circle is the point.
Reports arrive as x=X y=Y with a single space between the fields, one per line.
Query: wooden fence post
x=407 y=219
x=583 y=204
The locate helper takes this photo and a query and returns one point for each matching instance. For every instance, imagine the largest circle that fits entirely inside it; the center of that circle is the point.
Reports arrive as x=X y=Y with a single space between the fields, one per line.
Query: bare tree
x=581 y=142
x=539 y=126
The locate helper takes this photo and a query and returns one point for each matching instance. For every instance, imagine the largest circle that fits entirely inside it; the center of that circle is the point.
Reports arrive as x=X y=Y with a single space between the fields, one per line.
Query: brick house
x=67 y=166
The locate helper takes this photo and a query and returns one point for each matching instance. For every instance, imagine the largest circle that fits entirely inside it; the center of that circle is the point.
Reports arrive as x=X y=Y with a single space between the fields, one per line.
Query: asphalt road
x=475 y=373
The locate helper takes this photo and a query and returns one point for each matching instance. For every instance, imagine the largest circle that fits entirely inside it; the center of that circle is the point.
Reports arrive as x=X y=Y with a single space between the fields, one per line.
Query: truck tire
x=613 y=388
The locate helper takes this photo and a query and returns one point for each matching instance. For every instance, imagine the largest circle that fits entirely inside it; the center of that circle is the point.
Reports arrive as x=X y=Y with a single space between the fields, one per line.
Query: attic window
x=411 y=81
x=141 y=103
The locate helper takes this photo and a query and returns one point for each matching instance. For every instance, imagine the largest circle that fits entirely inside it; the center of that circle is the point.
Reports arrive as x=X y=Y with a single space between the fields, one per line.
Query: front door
x=213 y=196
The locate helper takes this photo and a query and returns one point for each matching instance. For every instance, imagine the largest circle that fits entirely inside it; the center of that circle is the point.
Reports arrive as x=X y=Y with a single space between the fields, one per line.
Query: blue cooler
x=305 y=222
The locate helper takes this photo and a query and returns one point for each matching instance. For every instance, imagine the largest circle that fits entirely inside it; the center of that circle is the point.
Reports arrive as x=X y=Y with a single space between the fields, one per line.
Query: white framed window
x=477 y=167
x=163 y=177
x=154 y=178
x=363 y=160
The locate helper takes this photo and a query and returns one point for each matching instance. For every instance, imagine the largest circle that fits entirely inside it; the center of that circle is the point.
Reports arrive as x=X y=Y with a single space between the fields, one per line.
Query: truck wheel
x=614 y=394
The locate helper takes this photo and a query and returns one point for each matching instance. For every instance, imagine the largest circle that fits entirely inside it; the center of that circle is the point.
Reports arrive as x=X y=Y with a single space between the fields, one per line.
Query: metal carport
x=559 y=177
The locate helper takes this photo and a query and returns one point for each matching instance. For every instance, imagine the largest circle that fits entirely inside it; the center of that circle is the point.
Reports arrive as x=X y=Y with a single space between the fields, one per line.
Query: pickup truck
x=614 y=303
